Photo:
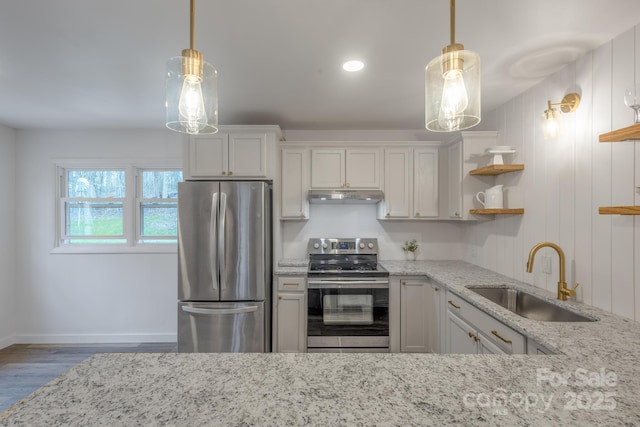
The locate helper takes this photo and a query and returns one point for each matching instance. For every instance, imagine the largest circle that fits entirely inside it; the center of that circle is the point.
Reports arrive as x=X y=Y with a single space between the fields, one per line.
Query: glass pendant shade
x=551 y=123
x=192 y=94
x=452 y=90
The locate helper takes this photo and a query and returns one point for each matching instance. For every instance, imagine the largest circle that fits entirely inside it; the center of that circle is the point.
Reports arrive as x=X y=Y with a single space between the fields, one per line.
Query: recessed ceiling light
x=352 y=66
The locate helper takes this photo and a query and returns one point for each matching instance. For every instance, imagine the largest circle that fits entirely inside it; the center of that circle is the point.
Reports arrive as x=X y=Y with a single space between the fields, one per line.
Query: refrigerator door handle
x=214 y=311
x=212 y=241
x=221 y=240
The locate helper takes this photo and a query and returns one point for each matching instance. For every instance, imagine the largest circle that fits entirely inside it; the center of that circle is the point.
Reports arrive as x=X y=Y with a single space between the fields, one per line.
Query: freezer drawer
x=221 y=327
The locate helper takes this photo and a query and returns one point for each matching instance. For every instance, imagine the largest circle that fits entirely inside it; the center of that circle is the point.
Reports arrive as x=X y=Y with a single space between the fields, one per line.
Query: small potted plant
x=410 y=249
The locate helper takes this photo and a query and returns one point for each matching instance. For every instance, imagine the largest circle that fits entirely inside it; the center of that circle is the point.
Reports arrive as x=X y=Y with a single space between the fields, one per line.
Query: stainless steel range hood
x=345 y=196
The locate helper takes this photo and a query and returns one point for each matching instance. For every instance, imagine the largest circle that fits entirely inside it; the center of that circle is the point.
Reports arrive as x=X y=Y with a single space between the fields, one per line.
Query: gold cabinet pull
x=456 y=214
x=230 y=173
x=455 y=306
x=471 y=335
x=302 y=215
x=498 y=335
x=476 y=339
x=342 y=185
x=224 y=172
x=388 y=215
x=290 y=284
x=417 y=214
x=436 y=289
x=404 y=283
x=348 y=185
x=279 y=297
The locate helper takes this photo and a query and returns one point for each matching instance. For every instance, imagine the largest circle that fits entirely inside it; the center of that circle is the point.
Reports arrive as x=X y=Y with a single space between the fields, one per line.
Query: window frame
x=132 y=203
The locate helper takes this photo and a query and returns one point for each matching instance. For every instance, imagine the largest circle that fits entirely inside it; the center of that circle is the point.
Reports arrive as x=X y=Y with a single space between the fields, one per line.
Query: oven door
x=344 y=313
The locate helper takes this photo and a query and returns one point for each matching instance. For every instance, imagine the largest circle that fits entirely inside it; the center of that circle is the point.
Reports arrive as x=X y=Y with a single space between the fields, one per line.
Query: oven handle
x=356 y=284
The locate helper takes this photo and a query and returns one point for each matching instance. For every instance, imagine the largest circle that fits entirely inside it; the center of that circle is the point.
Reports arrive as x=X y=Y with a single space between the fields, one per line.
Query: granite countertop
x=292 y=266
x=595 y=381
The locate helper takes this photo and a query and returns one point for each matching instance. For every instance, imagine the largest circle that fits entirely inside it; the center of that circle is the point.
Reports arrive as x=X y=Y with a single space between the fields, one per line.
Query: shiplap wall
x=565 y=181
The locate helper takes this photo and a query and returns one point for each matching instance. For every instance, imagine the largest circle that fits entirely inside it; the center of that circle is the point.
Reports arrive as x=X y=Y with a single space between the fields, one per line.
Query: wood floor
x=26 y=367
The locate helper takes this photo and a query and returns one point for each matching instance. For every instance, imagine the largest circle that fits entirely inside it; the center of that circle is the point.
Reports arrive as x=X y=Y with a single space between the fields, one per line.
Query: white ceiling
x=90 y=64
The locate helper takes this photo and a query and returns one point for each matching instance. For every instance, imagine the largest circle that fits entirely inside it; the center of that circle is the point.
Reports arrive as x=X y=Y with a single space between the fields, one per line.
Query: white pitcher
x=491 y=197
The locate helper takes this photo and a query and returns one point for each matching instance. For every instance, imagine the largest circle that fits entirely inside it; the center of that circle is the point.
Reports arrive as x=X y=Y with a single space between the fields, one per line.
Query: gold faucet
x=563 y=291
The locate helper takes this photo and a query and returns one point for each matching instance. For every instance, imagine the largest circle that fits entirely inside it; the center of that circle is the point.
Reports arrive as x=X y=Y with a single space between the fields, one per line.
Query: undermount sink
x=527 y=305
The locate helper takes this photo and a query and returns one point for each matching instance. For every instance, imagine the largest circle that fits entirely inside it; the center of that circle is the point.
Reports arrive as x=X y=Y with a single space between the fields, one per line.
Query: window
x=158 y=206
x=118 y=207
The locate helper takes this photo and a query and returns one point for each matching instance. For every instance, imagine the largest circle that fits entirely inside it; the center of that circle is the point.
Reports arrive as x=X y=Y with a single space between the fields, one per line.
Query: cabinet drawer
x=500 y=334
x=291 y=283
x=457 y=305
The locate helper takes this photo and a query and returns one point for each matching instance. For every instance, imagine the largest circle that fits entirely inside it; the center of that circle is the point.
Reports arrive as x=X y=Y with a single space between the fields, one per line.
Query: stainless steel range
x=348 y=297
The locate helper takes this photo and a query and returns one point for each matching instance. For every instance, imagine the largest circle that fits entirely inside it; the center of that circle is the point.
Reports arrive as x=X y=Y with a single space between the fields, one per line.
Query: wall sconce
x=551 y=120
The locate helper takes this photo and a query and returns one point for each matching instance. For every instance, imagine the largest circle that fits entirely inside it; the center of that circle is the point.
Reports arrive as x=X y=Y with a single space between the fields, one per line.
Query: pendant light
x=192 y=90
x=452 y=87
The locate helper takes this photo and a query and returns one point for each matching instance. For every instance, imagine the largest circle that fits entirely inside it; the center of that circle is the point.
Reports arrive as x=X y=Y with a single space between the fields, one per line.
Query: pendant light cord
x=192 y=35
x=453 y=21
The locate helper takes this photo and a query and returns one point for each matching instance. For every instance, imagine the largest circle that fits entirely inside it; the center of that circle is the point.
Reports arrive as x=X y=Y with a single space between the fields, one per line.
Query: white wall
x=565 y=181
x=438 y=239
x=86 y=297
x=8 y=233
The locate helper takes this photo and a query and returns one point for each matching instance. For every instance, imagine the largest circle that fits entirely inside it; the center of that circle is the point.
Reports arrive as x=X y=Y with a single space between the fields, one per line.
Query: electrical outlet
x=546 y=264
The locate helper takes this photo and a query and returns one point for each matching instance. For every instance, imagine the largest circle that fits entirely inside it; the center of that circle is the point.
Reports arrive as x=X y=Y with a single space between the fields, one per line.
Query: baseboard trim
x=92 y=338
x=7 y=341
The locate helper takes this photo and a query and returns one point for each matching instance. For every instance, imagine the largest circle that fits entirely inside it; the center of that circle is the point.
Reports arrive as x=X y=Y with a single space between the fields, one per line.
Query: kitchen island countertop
x=594 y=381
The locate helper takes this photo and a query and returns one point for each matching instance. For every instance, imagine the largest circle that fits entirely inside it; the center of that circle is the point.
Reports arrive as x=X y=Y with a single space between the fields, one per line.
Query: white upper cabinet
x=425 y=182
x=350 y=168
x=410 y=183
x=397 y=185
x=208 y=155
x=294 y=183
x=237 y=153
x=363 y=168
x=328 y=168
x=248 y=155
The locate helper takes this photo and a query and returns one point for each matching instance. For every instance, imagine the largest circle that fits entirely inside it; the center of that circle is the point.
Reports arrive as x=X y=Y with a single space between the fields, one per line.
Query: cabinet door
x=459 y=336
x=363 y=168
x=294 y=183
x=436 y=318
x=455 y=177
x=208 y=156
x=290 y=323
x=327 y=168
x=485 y=346
x=396 y=182
x=425 y=182
x=248 y=155
x=416 y=310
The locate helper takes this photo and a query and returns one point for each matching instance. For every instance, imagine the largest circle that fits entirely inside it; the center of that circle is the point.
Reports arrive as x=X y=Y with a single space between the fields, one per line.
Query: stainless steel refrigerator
x=224 y=266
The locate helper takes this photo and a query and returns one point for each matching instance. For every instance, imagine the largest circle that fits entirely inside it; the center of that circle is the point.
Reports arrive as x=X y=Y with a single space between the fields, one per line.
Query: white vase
x=411 y=256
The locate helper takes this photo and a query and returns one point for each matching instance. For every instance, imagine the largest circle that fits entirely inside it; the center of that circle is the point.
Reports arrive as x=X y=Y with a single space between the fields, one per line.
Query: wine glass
x=632 y=100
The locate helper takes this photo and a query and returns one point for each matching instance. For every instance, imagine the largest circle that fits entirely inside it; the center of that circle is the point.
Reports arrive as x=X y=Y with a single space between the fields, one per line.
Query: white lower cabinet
x=459 y=336
x=289 y=315
x=469 y=330
x=419 y=325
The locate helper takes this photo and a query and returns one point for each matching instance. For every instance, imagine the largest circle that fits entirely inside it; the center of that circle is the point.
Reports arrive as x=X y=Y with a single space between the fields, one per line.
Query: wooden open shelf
x=492 y=170
x=624 y=134
x=619 y=210
x=518 y=211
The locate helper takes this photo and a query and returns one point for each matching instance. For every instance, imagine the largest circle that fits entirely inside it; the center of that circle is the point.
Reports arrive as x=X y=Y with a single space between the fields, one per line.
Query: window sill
x=116 y=249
